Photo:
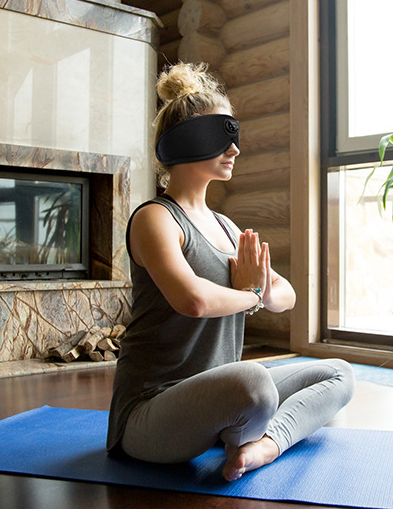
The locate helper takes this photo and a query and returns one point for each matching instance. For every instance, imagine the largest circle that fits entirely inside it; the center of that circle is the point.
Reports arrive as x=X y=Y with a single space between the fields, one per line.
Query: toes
x=234 y=475
x=234 y=470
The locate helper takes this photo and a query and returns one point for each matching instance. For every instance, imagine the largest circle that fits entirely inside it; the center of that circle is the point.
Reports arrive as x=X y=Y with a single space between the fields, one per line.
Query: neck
x=190 y=197
x=187 y=200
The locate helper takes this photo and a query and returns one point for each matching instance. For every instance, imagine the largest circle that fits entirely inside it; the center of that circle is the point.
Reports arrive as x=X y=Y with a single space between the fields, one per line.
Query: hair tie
x=189 y=90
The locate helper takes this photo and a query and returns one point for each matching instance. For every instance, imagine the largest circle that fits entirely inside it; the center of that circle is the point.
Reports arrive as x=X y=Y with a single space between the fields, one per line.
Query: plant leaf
x=387 y=185
x=383 y=143
x=367 y=179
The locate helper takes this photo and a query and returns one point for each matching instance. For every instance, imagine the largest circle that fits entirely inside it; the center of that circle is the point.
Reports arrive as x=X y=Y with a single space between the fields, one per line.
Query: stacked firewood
x=97 y=344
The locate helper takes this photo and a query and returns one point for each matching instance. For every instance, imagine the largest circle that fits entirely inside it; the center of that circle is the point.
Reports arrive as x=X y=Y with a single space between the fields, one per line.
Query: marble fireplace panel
x=33 y=319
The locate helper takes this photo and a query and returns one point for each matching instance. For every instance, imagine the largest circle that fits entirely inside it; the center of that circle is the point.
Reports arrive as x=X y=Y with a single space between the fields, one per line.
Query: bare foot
x=249 y=457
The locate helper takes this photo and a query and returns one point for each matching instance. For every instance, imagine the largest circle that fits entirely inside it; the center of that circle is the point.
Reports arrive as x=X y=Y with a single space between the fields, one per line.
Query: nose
x=233 y=150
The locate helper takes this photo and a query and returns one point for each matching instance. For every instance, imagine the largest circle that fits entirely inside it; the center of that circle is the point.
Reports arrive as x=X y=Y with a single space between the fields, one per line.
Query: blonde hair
x=186 y=90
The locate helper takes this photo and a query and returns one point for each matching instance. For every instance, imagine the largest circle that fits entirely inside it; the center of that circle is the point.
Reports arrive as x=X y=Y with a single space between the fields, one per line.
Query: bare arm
x=156 y=242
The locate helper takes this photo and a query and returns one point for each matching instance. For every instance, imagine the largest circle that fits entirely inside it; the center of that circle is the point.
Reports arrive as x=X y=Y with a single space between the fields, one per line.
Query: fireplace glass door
x=43 y=227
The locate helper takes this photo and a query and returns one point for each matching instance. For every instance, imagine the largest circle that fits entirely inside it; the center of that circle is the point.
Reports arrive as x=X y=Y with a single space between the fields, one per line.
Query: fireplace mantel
x=79 y=96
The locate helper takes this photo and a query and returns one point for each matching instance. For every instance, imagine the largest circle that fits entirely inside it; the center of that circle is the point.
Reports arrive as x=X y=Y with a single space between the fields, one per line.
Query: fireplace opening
x=44 y=226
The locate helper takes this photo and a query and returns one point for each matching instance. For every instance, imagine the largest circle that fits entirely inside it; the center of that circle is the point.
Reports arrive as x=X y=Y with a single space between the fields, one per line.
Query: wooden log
x=260 y=162
x=109 y=356
x=262 y=338
x=234 y=8
x=170 y=31
x=216 y=193
x=258 y=336
x=257 y=27
x=117 y=331
x=96 y=356
x=159 y=7
x=259 y=208
x=265 y=133
x=67 y=345
x=256 y=63
x=168 y=54
x=201 y=16
x=107 y=344
x=260 y=171
x=270 y=322
x=89 y=342
x=197 y=47
x=262 y=180
x=278 y=239
x=73 y=354
x=261 y=98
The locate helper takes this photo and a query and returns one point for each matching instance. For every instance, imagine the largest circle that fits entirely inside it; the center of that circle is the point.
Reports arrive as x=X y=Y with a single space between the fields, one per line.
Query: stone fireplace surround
x=41 y=130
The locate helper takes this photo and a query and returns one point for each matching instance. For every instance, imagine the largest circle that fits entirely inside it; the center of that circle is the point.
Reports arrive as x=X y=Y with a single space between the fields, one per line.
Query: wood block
x=106 y=344
x=73 y=354
x=109 y=356
x=96 y=356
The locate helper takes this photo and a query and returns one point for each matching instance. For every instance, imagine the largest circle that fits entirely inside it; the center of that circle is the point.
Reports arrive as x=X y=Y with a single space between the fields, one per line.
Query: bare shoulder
x=153 y=216
x=153 y=230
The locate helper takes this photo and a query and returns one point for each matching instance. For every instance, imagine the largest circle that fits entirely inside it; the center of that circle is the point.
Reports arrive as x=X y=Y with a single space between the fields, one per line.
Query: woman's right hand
x=251 y=268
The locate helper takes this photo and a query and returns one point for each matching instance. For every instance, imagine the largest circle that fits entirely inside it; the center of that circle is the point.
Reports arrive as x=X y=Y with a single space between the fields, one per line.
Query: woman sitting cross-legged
x=179 y=385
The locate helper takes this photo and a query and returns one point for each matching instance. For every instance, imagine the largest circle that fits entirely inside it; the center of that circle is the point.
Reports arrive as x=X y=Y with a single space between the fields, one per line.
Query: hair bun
x=180 y=80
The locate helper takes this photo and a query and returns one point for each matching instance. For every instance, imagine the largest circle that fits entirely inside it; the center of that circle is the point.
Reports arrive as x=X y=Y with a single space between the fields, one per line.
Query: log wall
x=168 y=11
x=246 y=43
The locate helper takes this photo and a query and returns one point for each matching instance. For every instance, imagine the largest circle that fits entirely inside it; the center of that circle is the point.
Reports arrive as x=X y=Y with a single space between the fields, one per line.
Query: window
x=364 y=76
x=357 y=254
x=43 y=227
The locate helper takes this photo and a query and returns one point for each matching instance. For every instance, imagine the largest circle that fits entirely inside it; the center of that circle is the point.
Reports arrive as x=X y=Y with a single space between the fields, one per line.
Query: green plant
x=62 y=225
x=388 y=184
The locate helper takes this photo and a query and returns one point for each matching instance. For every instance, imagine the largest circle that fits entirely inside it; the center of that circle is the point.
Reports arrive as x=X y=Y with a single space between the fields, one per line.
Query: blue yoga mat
x=334 y=466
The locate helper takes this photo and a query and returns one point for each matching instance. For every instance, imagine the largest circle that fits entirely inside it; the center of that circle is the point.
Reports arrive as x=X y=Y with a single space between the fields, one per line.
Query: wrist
x=258 y=292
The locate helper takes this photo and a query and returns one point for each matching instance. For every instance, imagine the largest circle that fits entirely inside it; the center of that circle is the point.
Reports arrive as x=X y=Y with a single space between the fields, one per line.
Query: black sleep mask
x=197 y=139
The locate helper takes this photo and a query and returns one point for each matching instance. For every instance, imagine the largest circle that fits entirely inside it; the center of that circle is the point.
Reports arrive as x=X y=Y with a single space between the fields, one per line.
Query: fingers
x=264 y=257
x=266 y=262
x=249 y=268
x=249 y=247
x=241 y=254
x=254 y=248
x=267 y=256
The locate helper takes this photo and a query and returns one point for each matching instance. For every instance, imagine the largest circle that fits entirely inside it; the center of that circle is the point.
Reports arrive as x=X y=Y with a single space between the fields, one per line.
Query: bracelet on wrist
x=260 y=305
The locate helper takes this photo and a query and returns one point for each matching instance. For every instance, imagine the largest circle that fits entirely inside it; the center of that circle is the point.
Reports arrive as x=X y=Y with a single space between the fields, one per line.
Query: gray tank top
x=162 y=347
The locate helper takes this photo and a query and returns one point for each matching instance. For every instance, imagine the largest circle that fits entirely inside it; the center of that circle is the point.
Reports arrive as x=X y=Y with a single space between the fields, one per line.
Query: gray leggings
x=238 y=403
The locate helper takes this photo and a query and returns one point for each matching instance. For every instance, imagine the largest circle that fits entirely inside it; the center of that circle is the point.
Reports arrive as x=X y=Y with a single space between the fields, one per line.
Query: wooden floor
x=372 y=408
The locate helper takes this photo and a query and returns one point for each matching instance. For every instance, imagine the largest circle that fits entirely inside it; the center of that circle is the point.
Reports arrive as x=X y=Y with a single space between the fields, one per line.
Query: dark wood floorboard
x=372 y=407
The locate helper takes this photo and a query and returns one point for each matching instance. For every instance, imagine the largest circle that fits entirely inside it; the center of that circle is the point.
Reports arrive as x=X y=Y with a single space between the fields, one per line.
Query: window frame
x=306 y=337
x=332 y=158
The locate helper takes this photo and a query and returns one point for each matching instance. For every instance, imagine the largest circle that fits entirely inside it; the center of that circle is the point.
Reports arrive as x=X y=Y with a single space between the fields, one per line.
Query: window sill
x=362 y=355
